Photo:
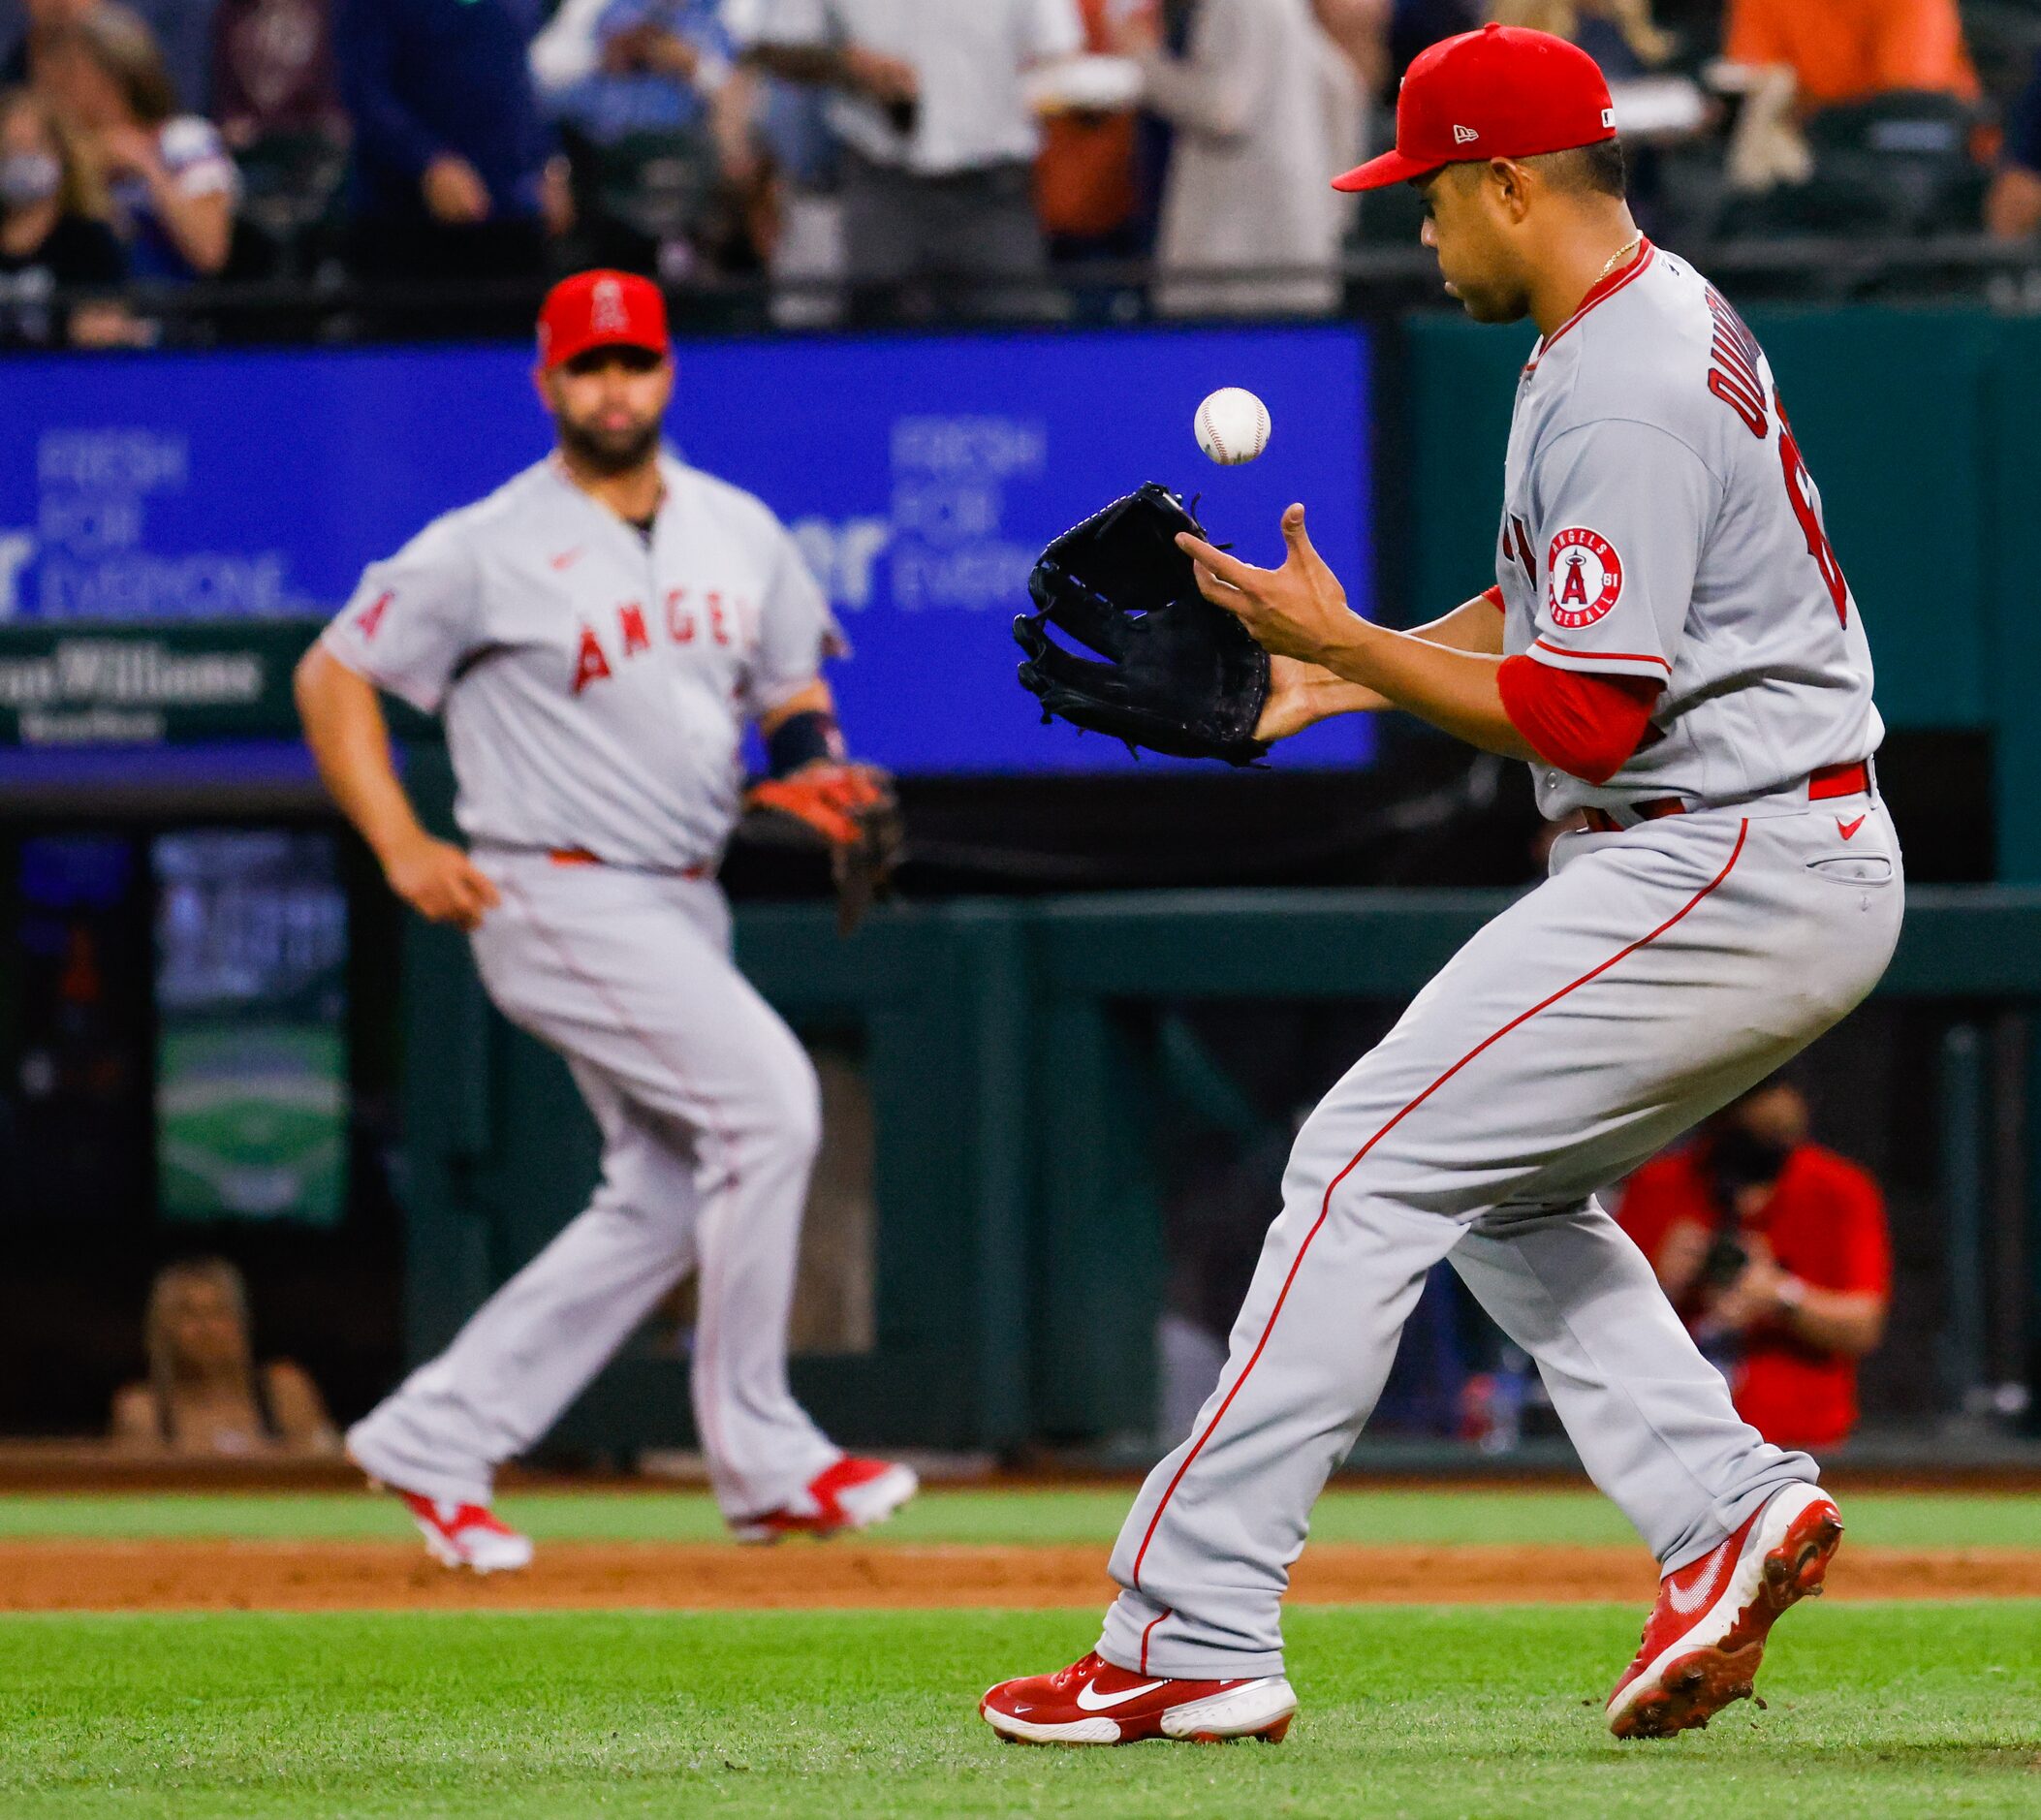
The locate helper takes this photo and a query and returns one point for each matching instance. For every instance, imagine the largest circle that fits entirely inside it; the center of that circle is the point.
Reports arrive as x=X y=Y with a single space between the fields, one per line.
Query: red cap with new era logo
x=1501 y=92
x=601 y=309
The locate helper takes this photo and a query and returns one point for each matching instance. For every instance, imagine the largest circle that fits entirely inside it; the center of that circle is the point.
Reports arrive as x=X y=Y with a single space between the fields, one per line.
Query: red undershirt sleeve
x=1586 y=723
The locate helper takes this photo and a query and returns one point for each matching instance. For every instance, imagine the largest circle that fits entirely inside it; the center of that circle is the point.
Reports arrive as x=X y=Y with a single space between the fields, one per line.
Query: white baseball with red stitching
x=1233 y=426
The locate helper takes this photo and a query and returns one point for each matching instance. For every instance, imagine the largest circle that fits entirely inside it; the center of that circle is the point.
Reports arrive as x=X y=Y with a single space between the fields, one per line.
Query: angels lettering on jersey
x=577 y=663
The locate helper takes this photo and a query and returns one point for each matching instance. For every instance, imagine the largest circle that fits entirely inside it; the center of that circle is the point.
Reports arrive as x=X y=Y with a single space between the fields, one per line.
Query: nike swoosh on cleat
x=1687 y=1600
x=1847 y=828
x=1090 y=1700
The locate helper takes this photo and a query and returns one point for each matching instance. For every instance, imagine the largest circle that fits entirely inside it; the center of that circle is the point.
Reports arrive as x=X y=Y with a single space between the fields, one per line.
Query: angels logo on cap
x=607 y=314
x=1585 y=578
x=601 y=309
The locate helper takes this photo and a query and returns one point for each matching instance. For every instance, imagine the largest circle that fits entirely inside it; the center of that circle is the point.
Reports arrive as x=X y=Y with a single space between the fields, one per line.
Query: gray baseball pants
x=1657 y=973
x=711 y=1118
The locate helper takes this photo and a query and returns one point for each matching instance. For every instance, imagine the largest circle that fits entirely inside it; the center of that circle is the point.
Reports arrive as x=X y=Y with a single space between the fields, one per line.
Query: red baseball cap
x=601 y=309
x=1501 y=92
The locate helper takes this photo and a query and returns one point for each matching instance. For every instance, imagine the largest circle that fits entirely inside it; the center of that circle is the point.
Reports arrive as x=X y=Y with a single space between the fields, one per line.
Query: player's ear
x=1511 y=184
x=540 y=384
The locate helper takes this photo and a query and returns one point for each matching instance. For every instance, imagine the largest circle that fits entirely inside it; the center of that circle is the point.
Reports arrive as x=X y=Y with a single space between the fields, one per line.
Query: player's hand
x=1297 y=611
x=440 y=882
x=1293 y=698
x=453 y=191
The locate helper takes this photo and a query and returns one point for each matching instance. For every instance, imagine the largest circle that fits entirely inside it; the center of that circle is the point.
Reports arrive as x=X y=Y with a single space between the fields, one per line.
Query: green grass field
x=1875 y=1710
x=1904 y=1711
x=1913 y=1521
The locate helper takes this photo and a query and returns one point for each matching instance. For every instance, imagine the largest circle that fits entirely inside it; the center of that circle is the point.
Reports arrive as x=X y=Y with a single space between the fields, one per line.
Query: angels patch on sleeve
x=1584 y=577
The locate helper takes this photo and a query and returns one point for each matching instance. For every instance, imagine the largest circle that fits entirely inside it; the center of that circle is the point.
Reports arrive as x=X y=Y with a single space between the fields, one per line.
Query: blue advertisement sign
x=921 y=475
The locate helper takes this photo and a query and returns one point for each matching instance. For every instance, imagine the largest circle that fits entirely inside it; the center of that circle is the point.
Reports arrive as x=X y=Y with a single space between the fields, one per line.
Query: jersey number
x=1799 y=489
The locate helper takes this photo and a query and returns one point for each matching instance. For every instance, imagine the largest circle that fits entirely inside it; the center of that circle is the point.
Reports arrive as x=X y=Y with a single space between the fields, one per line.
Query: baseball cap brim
x=640 y=343
x=1378 y=173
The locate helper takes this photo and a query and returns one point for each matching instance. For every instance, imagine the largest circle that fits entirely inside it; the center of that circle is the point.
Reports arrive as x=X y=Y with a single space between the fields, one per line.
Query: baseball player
x=597 y=632
x=1672 y=647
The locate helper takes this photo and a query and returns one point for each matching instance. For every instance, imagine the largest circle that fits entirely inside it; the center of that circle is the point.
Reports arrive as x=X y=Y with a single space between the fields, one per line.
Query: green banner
x=107 y=685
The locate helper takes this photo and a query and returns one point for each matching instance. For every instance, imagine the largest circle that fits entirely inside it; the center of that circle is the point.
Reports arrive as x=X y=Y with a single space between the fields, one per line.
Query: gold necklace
x=1621 y=253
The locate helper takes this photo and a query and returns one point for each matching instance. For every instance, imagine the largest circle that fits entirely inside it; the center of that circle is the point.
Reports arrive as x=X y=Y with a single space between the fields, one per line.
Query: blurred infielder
x=1673 y=649
x=597 y=634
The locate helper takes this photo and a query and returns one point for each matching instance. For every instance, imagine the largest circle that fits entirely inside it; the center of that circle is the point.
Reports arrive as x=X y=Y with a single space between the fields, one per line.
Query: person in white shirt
x=1263 y=101
x=939 y=141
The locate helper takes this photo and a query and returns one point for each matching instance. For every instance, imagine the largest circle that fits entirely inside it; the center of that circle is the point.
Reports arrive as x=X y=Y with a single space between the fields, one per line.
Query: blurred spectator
x=1841 y=51
x=939 y=138
x=1790 y=59
x=1620 y=35
x=1265 y=109
x=1360 y=30
x=173 y=186
x=615 y=67
x=1087 y=184
x=1774 y=1251
x=181 y=29
x=2013 y=209
x=1416 y=25
x=454 y=176
x=205 y=1393
x=53 y=234
x=654 y=118
x=273 y=72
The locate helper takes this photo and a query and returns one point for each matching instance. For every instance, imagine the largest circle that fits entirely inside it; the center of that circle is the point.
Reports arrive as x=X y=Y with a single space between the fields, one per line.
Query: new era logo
x=1608 y=118
x=1465 y=136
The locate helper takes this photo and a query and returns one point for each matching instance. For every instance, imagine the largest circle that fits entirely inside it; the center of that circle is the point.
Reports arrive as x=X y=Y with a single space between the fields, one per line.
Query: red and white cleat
x=852 y=1494
x=1705 y=1636
x=467 y=1535
x=1093 y=1702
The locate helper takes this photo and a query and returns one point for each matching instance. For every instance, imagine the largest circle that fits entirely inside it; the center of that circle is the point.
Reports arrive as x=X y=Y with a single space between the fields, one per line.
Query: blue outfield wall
x=922 y=475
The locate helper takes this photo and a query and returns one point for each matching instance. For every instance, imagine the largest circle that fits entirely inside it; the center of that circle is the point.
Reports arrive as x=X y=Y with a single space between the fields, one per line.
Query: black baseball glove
x=1181 y=676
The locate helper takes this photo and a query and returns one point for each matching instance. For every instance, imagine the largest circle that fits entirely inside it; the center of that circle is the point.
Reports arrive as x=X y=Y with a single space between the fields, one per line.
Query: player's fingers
x=486 y=896
x=1220 y=593
x=1295 y=536
x=1226 y=568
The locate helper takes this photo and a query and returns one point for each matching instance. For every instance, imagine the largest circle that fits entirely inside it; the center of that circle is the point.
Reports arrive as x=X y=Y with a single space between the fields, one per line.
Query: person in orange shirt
x=1846 y=50
x=1776 y=1254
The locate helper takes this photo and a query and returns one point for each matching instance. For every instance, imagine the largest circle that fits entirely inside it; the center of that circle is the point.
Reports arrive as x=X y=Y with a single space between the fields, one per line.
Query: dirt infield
x=362 y=1575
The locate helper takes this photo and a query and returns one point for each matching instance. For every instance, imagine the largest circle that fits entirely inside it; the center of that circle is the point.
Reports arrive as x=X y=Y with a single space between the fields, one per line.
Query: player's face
x=608 y=404
x=1466 y=222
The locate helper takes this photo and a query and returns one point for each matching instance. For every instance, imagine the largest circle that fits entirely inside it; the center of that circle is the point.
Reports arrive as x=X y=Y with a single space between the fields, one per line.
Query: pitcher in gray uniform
x=1671 y=647
x=597 y=635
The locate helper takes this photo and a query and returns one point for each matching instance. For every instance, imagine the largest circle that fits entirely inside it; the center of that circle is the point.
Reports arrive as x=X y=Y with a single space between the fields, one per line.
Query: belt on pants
x=1831 y=780
x=580 y=856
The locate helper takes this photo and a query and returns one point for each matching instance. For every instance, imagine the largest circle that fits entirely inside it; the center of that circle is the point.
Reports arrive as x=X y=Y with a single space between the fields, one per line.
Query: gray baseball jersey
x=1659 y=521
x=595 y=689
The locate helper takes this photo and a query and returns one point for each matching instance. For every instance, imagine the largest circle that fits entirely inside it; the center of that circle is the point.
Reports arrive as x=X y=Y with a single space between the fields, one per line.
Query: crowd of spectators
x=927 y=156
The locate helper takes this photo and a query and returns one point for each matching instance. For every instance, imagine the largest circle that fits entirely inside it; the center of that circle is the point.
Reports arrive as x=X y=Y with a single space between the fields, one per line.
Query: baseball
x=1233 y=426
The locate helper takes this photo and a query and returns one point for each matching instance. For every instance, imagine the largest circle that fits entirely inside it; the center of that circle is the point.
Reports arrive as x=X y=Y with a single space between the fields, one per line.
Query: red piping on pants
x=1325 y=1207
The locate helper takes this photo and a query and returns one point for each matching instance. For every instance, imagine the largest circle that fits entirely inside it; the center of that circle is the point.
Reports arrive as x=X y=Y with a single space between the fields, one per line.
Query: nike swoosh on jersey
x=1847 y=828
x=567 y=558
x=1090 y=1700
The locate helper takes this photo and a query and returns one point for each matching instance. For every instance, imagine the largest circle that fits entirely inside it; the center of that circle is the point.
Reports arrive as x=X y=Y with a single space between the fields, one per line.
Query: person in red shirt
x=1776 y=1254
